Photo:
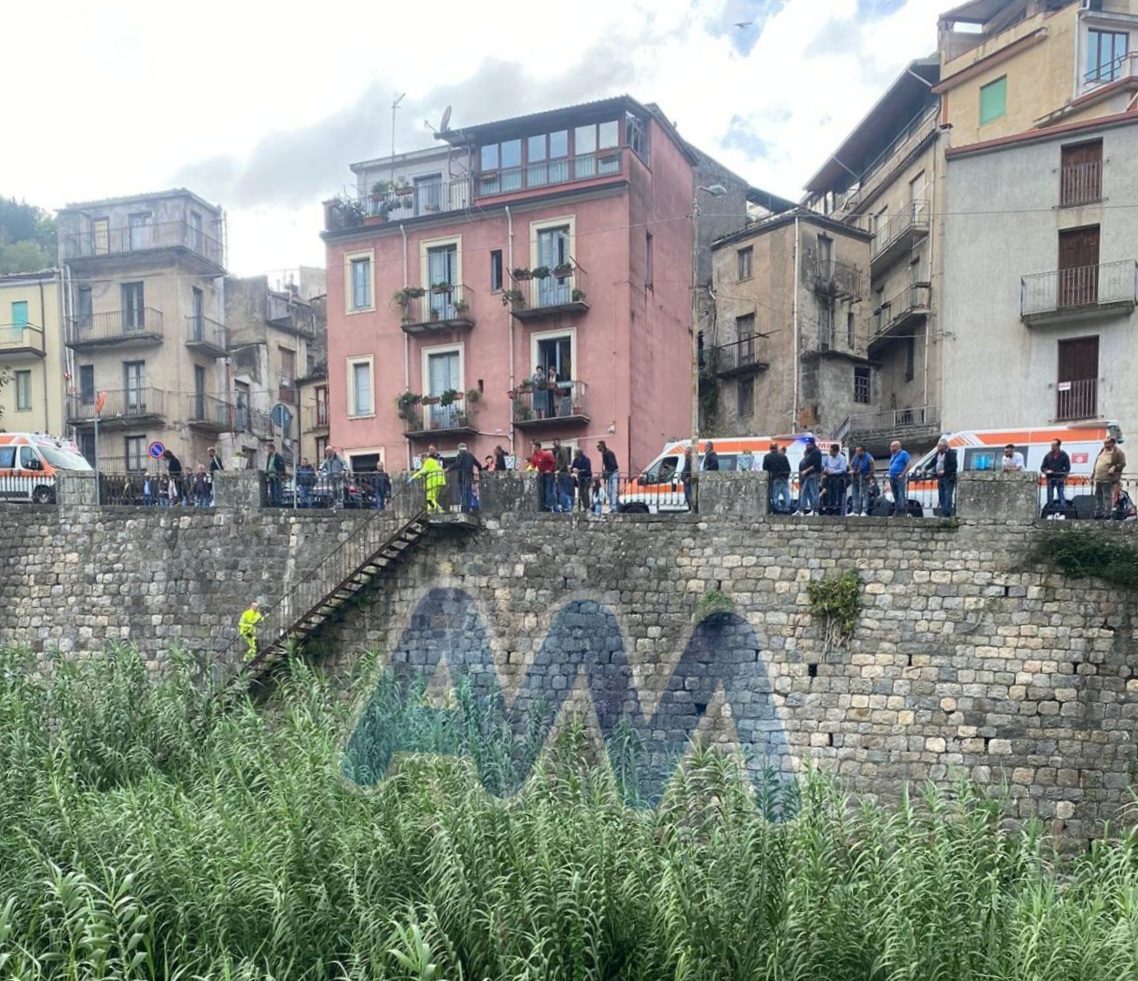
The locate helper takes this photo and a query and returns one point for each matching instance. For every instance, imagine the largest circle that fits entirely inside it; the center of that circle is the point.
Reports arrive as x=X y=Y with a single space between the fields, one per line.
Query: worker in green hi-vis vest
x=247 y=628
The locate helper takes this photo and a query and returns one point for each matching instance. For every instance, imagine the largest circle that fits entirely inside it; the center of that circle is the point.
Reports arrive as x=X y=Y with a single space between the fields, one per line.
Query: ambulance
x=660 y=488
x=29 y=463
x=983 y=449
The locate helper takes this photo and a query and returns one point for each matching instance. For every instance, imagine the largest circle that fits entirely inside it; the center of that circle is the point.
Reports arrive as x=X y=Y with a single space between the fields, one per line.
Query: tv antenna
x=394 y=106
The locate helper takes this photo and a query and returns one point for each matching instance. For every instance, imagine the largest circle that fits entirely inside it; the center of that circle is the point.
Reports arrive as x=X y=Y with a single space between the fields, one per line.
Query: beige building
x=791 y=328
x=31 y=352
x=145 y=326
x=272 y=336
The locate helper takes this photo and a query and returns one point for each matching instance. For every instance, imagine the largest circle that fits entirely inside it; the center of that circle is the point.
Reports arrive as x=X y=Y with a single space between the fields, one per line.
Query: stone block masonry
x=963 y=659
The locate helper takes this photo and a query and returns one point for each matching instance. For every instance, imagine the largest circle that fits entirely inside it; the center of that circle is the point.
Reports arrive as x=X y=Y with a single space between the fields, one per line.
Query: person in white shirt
x=1012 y=459
x=835 y=468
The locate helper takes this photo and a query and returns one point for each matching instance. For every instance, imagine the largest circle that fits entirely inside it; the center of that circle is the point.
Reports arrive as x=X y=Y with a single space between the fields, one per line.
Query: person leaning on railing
x=1107 y=476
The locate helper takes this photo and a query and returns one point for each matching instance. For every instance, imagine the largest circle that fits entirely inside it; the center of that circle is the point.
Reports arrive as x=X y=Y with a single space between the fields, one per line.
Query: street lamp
x=715 y=191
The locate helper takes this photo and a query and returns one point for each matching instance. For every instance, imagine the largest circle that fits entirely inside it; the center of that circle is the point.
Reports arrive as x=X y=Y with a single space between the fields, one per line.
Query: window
x=444 y=373
x=428 y=194
x=197 y=242
x=139 y=225
x=360 y=283
x=745 y=348
x=197 y=313
x=1078 y=266
x=879 y=223
x=825 y=251
x=910 y=357
x=321 y=446
x=83 y=307
x=495 y=270
x=552 y=251
x=850 y=329
x=745 y=398
x=241 y=398
x=101 y=235
x=321 y=405
x=826 y=323
x=547 y=158
x=993 y=100
x=288 y=365
x=917 y=195
x=879 y=309
x=19 y=313
x=87 y=384
x=861 y=385
x=636 y=136
x=649 y=261
x=1080 y=174
x=135 y=453
x=746 y=263
x=500 y=167
x=442 y=271
x=359 y=388
x=133 y=306
x=87 y=446
x=23 y=391
x=1105 y=52
x=596 y=149
x=1077 y=388
x=134 y=384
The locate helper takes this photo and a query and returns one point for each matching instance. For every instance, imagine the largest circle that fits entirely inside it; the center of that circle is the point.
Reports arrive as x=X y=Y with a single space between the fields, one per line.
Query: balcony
x=205 y=336
x=253 y=421
x=120 y=241
x=430 y=418
x=315 y=418
x=135 y=327
x=536 y=177
x=921 y=129
x=440 y=308
x=916 y=426
x=1080 y=183
x=424 y=200
x=21 y=341
x=831 y=277
x=1079 y=293
x=286 y=389
x=1121 y=69
x=207 y=414
x=551 y=407
x=897 y=237
x=1076 y=400
x=737 y=359
x=561 y=291
x=898 y=316
x=123 y=409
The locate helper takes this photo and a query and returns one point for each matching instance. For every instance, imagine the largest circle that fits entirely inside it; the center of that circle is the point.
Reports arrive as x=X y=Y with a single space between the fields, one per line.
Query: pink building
x=556 y=244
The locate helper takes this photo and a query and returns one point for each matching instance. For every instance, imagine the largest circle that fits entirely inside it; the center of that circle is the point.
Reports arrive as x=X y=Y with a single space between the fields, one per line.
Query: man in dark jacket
x=610 y=471
x=561 y=456
x=464 y=465
x=582 y=466
x=809 y=472
x=710 y=458
x=1055 y=467
x=945 y=464
x=777 y=468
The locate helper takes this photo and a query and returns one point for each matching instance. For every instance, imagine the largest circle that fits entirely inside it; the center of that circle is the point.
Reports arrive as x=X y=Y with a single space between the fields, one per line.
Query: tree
x=27 y=237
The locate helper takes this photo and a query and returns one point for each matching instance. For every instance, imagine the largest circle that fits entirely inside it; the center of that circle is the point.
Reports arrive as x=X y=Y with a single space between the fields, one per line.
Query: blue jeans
x=611 y=481
x=900 y=488
x=465 y=493
x=859 y=485
x=548 y=501
x=1056 y=493
x=946 y=494
x=780 y=494
x=808 y=493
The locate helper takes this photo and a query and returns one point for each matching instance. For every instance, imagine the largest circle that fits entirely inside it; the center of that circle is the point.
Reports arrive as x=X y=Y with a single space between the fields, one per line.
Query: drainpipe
x=797 y=276
x=43 y=343
x=406 y=340
x=509 y=316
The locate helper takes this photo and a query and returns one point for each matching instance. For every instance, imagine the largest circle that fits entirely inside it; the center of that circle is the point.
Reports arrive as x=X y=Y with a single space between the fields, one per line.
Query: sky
x=261 y=107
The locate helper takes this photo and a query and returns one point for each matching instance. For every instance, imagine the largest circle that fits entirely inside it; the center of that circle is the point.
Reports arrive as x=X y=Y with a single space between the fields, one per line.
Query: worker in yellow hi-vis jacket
x=434 y=478
x=247 y=628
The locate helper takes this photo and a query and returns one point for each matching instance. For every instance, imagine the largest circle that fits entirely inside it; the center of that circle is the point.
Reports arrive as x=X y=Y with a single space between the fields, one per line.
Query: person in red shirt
x=544 y=463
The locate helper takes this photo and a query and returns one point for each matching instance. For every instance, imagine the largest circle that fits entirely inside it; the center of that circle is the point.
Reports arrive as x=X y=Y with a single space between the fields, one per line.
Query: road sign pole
x=98 y=476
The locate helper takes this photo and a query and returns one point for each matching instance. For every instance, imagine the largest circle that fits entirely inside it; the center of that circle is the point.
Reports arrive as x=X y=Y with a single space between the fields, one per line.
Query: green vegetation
x=1106 y=554
x=711 y=603
x=837 y=602
x=146 y=836
x=27 y=237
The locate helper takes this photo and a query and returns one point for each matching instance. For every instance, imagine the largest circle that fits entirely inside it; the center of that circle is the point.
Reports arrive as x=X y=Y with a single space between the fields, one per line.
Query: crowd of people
x=567 y=480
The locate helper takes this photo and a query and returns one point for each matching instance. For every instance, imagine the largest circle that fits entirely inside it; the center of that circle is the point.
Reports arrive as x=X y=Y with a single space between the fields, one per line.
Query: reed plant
x=146 y=835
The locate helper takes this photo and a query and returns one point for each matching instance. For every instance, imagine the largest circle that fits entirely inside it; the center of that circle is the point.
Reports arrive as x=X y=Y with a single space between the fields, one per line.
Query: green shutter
x=993 y=100
x=19 y=313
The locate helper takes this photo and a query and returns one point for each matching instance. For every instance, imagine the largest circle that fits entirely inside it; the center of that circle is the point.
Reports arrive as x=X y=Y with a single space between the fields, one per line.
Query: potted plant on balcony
x=405 y=404
x=461 y=307
x=449 y=397
x=439 y=288
x=403 y=188
x=577 y=296
x=541 y=272
x=513 y=298
x=379 y=189
x=473 y=396
x=345 y=213
x=563 y=269
x=521 y=274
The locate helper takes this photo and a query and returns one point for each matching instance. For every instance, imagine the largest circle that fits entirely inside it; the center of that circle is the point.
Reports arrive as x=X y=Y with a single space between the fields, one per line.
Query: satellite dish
x=446 y=120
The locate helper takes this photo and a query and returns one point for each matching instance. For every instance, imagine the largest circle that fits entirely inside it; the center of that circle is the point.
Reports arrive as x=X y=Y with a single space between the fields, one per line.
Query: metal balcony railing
x=211 y=412
x=123 y=240
x=403 y=203
x=911 y=300
x=21 y=339
x=922 y=416
x=432 y=416
x=1081 y=287
x=547 y=173
x=124 y=404
x=1076 y=400
x=443 y=305
x=904 y=227
x=920 y=128
x=736 y=358
x=315 y=416
x=207 y=333
x=563 y=289
x=831 y=277
x=112 y=326
x=1080 y=183
x=1125 y=66
x=562 y=401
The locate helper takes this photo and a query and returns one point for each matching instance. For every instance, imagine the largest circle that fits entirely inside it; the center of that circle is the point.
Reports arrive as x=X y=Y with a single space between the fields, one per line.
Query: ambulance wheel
x=43 y=495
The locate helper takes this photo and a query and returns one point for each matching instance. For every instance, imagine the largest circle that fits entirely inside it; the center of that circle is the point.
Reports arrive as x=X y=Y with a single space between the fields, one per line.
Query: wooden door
x=1077 y=387
x=1078 y=267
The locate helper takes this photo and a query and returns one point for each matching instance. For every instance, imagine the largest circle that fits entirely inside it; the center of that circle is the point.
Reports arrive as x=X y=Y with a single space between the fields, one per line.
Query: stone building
x=32 y=352
x=788 y=352
x=145 y=325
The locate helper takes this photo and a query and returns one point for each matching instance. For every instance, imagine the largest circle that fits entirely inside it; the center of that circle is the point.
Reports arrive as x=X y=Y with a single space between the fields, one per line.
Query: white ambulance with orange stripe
x=29 y=463
x=983 y=449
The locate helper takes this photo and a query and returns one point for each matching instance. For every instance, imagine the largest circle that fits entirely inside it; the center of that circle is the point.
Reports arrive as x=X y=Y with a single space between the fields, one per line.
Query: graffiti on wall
x=721 y=663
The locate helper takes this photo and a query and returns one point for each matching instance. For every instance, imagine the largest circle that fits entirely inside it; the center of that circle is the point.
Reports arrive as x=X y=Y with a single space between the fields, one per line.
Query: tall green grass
x=143 y=835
